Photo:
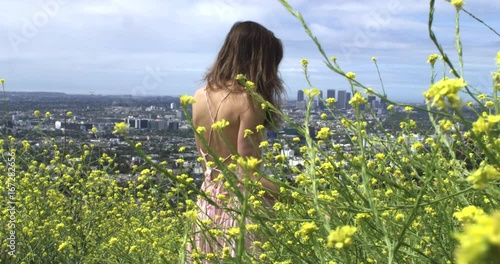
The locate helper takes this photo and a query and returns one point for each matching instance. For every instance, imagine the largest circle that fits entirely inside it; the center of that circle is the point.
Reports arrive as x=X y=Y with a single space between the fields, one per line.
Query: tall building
x=347 y=99
x=330 y=93
x=341 y=100
x=301 y=103
x=371 y=98
x=300 y=96
x=321 y=104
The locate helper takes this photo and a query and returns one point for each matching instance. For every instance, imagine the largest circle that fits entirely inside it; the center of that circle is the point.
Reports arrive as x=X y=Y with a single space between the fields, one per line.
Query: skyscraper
x=300 y=104
x=341 y=99
x=330 y=93
x=371 y=101
x=347 y=99
x=321 y=104
x=300 y=96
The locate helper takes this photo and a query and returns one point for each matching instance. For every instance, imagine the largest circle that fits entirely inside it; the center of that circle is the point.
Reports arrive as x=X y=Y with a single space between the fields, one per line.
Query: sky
x=163 y=47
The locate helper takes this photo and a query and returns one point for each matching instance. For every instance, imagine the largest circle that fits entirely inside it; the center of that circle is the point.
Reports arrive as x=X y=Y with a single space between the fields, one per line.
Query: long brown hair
x=253 y=50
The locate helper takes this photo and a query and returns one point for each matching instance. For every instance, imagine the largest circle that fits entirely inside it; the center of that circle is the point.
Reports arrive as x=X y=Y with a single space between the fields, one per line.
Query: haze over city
x=147 y=48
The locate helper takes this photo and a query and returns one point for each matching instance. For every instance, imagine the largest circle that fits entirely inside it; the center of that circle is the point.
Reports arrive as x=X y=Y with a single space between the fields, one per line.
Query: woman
x=254 y=51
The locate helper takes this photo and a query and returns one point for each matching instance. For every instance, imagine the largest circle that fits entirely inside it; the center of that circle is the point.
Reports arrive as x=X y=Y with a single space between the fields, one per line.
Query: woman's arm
x=248 y=146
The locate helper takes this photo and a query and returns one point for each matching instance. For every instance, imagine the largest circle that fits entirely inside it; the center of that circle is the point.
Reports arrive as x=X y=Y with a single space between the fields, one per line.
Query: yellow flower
x=304 y=62
x=249 y=84
x=374 y=59
x=120 y=128
x=489 y=104
x=201 y=129
x=399 y=217
x=481 y=177
x=191 y=215
x=432 y=59
x=132 y=249
x=248 y=163
x=259 y=128
x=380 y=156
x=341 y=236
x=390 y=107
x=334 y=59
x=311 y=93
x=350 y=75
x=263 y=144
x=357 y=100
x=94 y=130
x=330 y=101
x=187 y=99
x=62 y=246
x=219 y=125
x=485 y=123
x=445 y=124
x=445 y=88
x=458 y=3
x=306 y=229
x=480 y=241
x=2 y=81
x=323 y=133
x=241 y=78
x=113 y=240
x=408 y=109
x=247 y=133
x=69 y=113
x=468 y=214
x=47 y=114
x=497 y=59
x=233 y=231
x=323 y=116
x=296 y=139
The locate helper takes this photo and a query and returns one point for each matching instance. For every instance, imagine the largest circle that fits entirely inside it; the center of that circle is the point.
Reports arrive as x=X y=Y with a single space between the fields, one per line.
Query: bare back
x=234 y=106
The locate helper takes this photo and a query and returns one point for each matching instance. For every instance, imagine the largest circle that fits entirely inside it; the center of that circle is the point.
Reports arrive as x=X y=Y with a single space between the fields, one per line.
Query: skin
x=242 y=113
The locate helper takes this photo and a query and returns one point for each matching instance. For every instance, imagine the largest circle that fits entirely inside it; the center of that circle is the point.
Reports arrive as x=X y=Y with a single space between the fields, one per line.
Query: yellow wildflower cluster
x=323 y=133
x=305 y=231
x=458 y=3
x=350 y=75
x=187 y=100
x=468 y=214
x=480 y=240
x=445 y=124
x=357 y=100
x=446 y=88
x=330 y=101
x=311 y=93
x=249 y=85
x=481 y=177
x=219 y=125
x=304 y=62
x=341 y=236
x=485 y=123
x=248 y=163
x=432 y=59
x=120 y=128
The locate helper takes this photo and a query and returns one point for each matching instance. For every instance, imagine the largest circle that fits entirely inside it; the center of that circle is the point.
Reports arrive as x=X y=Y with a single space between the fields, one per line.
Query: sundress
x=217 y=218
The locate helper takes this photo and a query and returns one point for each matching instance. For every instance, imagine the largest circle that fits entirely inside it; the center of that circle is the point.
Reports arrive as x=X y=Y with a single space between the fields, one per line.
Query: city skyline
x=149 y=48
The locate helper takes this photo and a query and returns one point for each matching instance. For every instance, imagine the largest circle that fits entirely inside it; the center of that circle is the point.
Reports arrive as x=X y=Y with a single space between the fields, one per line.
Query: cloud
x=111 y=45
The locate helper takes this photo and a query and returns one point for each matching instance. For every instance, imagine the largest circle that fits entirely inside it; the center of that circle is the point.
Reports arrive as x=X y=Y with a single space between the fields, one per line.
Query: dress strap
x=212 y=116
